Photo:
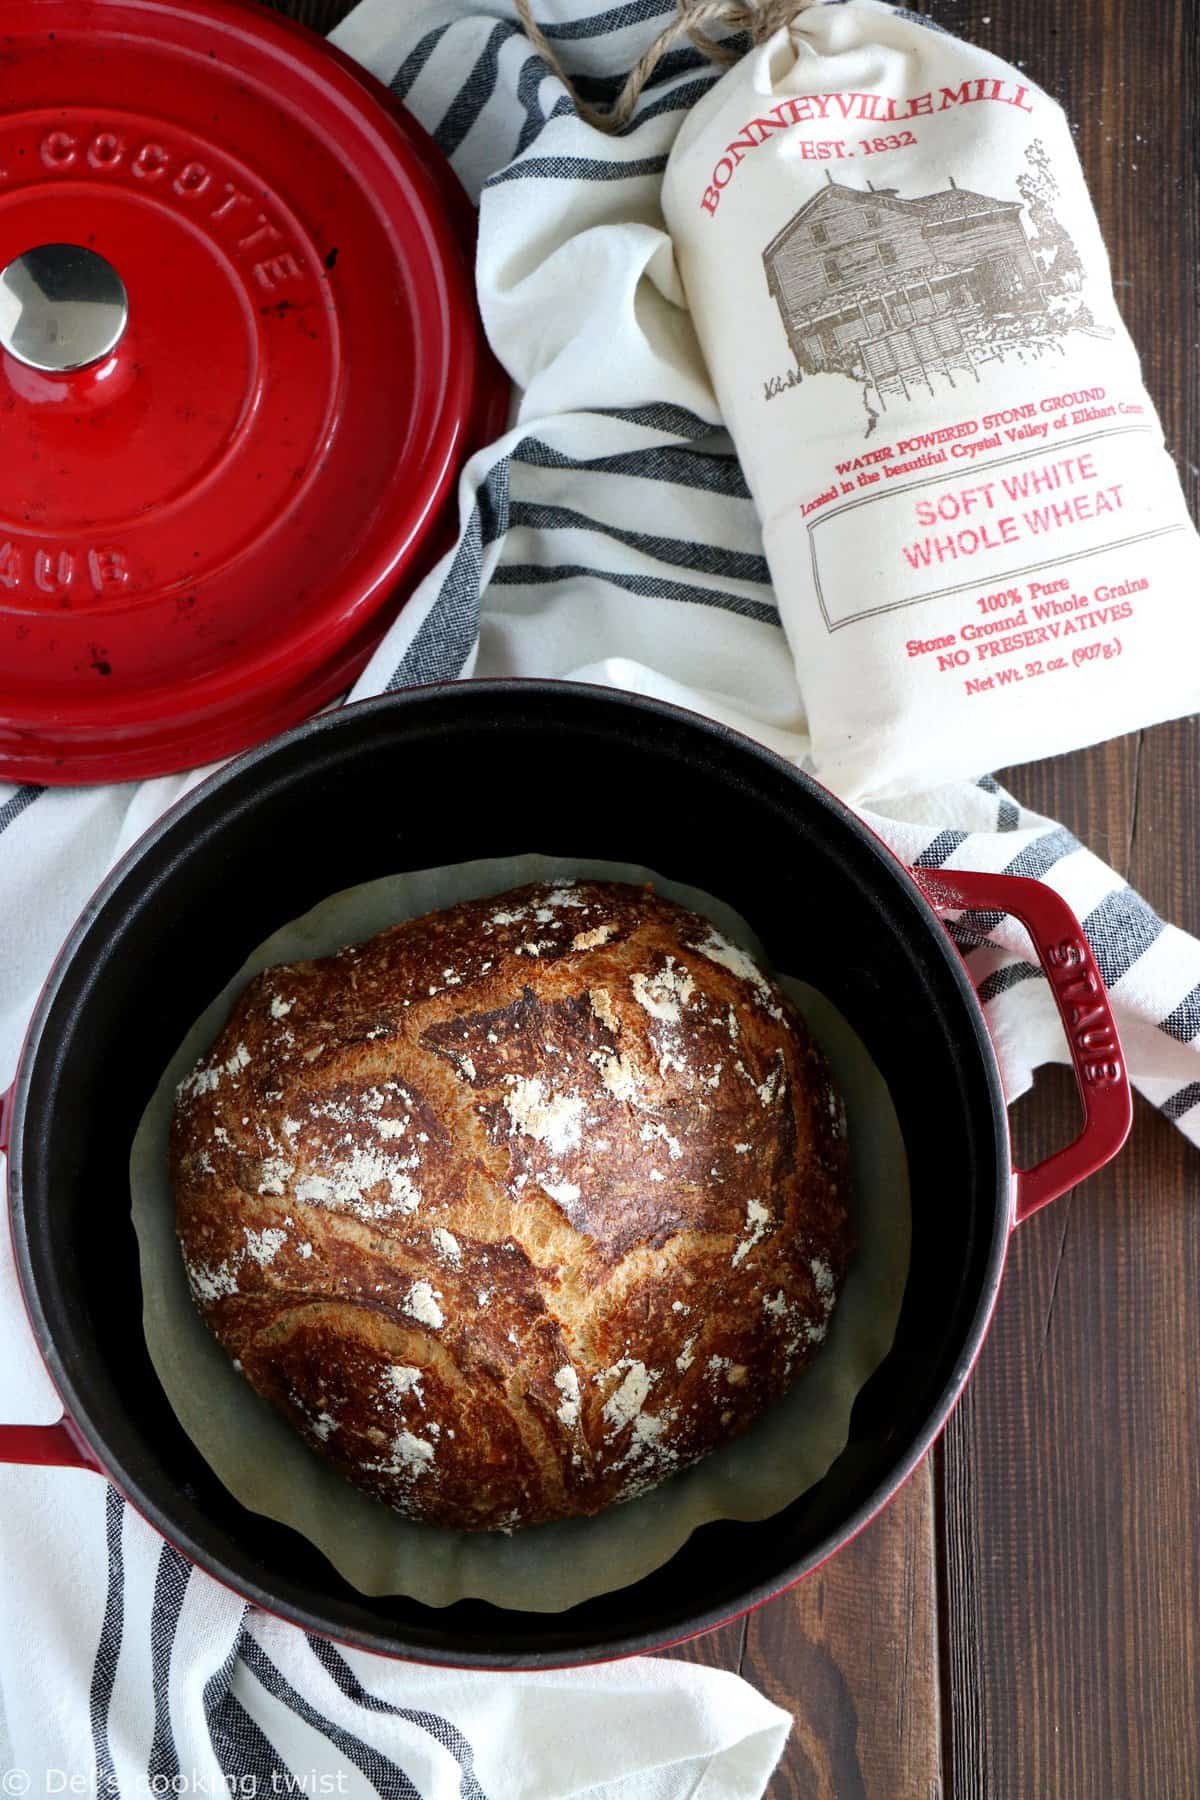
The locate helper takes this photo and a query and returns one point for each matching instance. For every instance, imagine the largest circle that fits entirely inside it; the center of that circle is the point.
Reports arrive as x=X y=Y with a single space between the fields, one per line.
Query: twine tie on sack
x=757 y=19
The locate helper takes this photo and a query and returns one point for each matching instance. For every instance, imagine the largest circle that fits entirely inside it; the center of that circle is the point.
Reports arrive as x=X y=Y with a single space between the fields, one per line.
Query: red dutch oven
x=440 y=775
x=240 y=369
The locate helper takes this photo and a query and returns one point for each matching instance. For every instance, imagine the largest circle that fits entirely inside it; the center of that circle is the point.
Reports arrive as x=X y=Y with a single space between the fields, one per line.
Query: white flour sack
x=980 y=545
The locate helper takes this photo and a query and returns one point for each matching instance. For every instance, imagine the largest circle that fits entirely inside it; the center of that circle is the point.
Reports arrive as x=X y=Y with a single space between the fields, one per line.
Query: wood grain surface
x=1023 y=1623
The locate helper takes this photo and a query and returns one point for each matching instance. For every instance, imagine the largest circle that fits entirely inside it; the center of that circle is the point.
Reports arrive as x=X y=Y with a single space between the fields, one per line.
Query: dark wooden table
x=1023 y=1623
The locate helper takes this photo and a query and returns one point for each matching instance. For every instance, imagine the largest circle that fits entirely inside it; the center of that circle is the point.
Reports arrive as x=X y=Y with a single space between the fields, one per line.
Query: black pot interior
x=440 y=776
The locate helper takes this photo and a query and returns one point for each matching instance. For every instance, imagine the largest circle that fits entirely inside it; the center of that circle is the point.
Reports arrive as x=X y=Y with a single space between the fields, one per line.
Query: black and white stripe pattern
x=108 y=1649
x=19 y=800
x=276 y=1711
x=610 y=537
x=1152 y=970
x=440 y=1729
x=170 y=1586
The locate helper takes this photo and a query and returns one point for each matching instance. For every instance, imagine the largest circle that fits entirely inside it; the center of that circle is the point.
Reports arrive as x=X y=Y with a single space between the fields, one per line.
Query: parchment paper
x=547 y=1568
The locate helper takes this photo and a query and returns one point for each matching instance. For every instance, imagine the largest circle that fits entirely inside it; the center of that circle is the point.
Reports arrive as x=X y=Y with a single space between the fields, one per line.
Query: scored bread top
x=517 y=1208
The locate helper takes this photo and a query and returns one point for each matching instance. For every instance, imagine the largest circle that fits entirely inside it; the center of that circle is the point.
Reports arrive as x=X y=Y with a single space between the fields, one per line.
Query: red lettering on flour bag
x=979 y=543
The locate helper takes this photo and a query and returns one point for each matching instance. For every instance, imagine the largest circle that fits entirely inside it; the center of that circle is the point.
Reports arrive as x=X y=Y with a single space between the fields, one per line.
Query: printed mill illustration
x=892 y=290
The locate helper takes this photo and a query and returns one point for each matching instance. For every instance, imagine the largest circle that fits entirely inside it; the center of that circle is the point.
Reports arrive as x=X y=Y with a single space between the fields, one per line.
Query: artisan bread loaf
x=517 y=1208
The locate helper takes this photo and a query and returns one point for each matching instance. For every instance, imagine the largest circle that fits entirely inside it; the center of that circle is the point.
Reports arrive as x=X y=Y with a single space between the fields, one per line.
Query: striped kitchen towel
x=607 y=537
x=127 y=1673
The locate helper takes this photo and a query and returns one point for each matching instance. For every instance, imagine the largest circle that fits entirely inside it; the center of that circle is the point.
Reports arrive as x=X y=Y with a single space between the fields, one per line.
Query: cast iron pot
x=442 y=775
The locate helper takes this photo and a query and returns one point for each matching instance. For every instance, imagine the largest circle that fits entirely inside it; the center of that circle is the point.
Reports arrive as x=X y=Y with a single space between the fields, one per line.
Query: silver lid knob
x=61 y=308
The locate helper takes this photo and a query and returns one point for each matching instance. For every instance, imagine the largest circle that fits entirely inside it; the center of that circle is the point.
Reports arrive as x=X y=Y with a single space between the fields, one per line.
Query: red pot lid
x=264 y=267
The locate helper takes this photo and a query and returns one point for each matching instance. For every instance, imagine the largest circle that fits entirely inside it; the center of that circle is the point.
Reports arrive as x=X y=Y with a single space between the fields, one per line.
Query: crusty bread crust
x=517 y=1208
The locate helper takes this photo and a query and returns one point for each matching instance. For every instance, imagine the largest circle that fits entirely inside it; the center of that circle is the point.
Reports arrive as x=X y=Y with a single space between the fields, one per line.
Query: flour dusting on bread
x=518 y=1208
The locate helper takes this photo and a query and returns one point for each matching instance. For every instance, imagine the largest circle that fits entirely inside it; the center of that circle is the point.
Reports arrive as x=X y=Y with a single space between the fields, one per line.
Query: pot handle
x=49 y=1446
x=1079 y=993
